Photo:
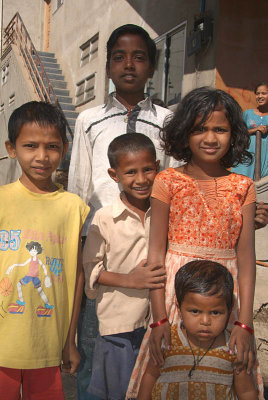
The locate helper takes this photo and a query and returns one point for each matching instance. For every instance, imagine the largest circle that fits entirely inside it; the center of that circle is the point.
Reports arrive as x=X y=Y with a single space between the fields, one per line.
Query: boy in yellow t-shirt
x=41 y=279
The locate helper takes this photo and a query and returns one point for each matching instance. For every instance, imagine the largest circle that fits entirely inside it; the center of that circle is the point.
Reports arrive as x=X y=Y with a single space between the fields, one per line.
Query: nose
x=129 y=62
x=210 y=137
x=205 y=319
x=140 y=178
x=41 y=154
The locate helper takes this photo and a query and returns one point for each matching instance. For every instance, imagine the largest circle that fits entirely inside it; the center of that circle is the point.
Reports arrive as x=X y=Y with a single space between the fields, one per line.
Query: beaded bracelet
x=250 y=330
x=158 y=323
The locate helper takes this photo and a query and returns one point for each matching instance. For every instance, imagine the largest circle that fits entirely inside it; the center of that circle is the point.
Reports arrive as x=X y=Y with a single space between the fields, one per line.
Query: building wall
x=31 y=12
x=14 y=92
x=242 y=51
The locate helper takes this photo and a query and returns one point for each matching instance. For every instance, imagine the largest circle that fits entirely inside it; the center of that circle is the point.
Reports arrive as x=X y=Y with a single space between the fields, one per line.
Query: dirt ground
x=261 y=333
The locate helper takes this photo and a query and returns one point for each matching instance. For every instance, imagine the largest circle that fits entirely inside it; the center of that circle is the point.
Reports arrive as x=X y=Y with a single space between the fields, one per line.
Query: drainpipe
x=202 y=6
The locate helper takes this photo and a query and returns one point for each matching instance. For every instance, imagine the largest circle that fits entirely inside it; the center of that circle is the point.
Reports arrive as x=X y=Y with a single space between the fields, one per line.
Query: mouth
x=204 y=333
x=40 y=170
x=210 y=150
x=143 y=189
x=129 y=77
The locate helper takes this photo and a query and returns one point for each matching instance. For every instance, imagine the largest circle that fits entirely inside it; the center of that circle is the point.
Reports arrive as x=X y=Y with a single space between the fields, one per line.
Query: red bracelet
x=250 y=330
x=158 y=323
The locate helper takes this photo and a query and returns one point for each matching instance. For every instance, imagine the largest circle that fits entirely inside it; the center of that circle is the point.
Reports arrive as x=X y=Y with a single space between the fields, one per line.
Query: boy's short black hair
x=129 y=142
x=134 y=30
x=207 y=278
x=39 y=112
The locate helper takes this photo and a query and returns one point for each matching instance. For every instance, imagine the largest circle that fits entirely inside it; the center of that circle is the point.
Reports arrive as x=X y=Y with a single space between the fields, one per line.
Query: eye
x=140 y=57
x=194 y=311
x=131 y=172
x=53 y=146
x=118 y=57
x=30 y=145
x=215 y=312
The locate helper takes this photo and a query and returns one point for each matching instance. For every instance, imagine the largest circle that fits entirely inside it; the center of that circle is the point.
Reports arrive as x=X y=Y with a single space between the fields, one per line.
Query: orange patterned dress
x=205 y=220
x=212 y=378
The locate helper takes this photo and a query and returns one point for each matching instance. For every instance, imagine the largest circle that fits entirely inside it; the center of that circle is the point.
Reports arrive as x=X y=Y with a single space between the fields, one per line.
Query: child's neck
x=139 y=206
x=129 y=100
x=42 y=187
x=204 y=171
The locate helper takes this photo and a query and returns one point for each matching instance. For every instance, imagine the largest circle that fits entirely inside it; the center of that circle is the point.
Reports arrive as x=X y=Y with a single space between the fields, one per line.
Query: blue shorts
x=113 y=362
x=26 y=279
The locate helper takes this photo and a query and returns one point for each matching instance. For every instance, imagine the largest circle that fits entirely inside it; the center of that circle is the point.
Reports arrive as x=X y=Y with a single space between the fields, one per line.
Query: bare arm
x=70 y=354
x=246 y=283
x=141 y=277
x=148 y=381
x=244 y=386
x=156 y=256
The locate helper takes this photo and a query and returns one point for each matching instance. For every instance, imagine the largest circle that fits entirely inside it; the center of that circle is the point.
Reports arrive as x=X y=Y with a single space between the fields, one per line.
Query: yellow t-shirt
x=38 y=252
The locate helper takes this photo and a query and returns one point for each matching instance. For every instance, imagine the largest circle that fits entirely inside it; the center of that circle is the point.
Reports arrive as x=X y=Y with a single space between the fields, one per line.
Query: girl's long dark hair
x=202 y=102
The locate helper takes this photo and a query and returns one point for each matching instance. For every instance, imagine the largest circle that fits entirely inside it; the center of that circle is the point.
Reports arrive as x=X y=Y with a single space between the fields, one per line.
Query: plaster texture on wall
x=31 y=12
x=19 y=85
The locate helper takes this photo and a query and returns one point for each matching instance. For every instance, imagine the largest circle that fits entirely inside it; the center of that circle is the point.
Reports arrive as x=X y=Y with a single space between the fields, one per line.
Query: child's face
x=129 y=66
x=262 y=95
x=136 y=173
x=204 y=317
x=39 y=151
x=33 y=252
x=210 y=141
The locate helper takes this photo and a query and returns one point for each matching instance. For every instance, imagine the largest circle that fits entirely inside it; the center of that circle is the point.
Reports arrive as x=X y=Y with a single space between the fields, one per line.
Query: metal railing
x=16 y=33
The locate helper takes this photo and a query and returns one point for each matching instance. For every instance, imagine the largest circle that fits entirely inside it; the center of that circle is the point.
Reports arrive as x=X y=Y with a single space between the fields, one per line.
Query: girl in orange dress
x=205 y=212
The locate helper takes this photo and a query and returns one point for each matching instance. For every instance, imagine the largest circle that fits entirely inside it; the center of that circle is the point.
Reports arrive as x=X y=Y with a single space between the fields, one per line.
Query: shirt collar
x=145 y=104
x=119 y=207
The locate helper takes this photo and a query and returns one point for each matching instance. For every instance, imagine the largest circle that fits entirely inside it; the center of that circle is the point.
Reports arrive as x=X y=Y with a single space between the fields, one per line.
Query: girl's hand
x=70 y=359
x=244 y=343
x=147 y=277
x=158 y=333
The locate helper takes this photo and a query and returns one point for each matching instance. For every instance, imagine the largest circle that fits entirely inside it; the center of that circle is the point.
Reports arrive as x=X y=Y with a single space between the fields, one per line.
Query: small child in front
x=199 y=365
x=41 y=274
x=115 y=264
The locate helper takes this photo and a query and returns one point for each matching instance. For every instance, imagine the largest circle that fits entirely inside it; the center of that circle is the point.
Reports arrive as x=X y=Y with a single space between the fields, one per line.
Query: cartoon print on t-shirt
x=32 y=275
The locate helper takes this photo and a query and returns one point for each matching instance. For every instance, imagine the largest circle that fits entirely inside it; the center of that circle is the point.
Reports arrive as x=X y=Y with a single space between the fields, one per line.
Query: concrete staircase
x=54 y=73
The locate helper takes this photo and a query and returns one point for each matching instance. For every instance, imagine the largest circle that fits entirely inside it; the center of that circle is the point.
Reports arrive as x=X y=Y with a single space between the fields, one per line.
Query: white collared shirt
x=94 y=130
x=117 y=241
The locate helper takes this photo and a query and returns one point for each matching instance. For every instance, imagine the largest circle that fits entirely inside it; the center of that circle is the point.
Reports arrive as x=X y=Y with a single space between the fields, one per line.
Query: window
x=85 y=90
x=4 y=74
x=166 y=83
x=89 y=50
x=11 y=99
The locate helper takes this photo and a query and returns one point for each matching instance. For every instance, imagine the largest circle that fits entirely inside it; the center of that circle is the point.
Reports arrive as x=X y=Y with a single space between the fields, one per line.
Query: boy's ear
x=113 y=174
x=10 y=149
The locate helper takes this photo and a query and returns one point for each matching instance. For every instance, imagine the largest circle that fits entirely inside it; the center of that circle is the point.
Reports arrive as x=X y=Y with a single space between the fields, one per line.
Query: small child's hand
x=244 y=343
x=70 y=359
x=147 y=277
x=157 y=335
